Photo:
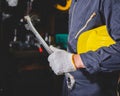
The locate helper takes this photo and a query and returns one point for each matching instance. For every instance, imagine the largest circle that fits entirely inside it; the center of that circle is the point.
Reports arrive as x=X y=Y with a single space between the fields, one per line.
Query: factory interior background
x=24 y=69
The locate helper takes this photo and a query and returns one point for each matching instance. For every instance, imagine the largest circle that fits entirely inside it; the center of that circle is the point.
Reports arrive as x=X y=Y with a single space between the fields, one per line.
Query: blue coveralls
x=100 y=77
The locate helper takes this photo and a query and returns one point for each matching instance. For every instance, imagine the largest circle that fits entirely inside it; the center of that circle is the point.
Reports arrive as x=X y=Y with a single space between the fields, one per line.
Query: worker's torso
x=85 y=15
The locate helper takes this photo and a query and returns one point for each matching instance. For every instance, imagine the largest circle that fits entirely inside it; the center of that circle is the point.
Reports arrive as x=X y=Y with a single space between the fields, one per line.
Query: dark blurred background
x=24 y=69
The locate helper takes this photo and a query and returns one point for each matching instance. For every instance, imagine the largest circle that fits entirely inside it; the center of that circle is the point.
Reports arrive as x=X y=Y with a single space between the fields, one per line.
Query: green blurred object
x=61 y=40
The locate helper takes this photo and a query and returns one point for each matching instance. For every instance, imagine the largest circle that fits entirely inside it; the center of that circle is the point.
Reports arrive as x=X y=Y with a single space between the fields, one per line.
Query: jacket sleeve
x=106 y=59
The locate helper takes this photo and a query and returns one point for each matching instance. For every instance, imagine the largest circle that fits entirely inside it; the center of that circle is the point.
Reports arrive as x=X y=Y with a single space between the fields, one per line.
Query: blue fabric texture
x=102 y=66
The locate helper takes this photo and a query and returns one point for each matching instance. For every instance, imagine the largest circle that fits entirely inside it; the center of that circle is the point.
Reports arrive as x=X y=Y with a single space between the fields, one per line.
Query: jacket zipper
x=91 y=17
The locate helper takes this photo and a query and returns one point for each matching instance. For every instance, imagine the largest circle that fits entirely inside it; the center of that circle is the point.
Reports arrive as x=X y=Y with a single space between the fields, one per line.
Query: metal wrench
x=38 y=36
x=45 y=45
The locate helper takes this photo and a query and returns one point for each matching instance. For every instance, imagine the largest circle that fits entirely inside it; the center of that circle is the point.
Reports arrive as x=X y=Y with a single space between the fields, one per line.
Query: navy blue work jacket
x=100 y=76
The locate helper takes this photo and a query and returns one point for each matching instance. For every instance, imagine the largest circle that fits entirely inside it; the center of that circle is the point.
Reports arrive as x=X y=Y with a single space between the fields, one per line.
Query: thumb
x=54 y=48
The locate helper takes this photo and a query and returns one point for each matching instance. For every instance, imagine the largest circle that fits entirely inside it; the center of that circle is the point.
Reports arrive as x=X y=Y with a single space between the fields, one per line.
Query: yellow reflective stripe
x=94 y=39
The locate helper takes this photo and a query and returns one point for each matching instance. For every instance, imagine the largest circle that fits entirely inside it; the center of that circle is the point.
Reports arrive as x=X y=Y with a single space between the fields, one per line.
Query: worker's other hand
x=61 y=61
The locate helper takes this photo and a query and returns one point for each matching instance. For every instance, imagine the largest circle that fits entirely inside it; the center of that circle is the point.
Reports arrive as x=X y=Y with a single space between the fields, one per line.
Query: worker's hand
x=61 y=61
